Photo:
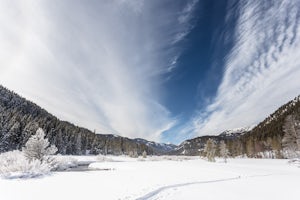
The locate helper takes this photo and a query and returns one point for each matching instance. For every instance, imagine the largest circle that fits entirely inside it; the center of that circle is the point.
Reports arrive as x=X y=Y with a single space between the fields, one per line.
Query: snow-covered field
x=170 y=178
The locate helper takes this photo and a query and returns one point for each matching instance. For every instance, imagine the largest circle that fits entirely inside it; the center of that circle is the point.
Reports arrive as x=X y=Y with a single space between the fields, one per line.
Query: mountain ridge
x=253 y=141
x=20 y=118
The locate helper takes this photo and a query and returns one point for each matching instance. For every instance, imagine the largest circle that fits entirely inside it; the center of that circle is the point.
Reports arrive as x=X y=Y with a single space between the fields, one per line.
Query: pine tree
x=223 y=151
x=130 y=154
x=210 y=149
x=38 y=147
x=291 y=138
x=144 y=154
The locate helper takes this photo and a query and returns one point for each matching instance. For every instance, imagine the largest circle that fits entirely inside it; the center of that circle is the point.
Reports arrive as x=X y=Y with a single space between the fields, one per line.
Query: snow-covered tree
x=38 y=147
x=291 y=138
x=223 y=151
x=130 y=154
x=133 y=154
x=144 y=154
x=210 y=149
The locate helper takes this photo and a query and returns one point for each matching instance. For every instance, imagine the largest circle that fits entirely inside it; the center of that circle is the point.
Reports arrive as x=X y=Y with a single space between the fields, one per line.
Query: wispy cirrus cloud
x=184 y=19
x=96 y=64
x=261 y=72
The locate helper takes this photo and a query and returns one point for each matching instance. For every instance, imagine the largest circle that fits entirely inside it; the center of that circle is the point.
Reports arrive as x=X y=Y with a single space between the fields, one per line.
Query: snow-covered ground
x=162 y=178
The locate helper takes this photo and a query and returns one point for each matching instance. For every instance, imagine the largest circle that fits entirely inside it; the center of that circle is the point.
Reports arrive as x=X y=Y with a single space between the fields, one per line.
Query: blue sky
x=163 y=70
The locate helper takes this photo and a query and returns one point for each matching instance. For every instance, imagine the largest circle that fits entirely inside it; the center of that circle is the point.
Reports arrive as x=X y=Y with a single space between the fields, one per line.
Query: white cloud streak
x=262 y=71
x=94 y=63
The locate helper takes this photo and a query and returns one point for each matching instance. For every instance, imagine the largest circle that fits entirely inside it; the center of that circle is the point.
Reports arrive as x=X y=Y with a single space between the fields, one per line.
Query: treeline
x=275 y=137
x=269 y=134
x=19 y=119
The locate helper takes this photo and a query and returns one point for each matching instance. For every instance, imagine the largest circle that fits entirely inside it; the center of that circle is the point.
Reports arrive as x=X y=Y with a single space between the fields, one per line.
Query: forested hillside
x=270 y=134
x=19 y=119
x=275 y=137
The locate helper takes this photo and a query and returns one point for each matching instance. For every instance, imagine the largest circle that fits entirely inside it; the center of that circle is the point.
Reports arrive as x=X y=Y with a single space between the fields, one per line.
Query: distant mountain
x=267 y=137
x=20 y=118
x=159 y=148
x=195 y=146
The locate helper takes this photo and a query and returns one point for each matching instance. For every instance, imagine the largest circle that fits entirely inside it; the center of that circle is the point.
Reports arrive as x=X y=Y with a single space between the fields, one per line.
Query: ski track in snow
x=162 y=179
x=156 y=192
x=161 y=189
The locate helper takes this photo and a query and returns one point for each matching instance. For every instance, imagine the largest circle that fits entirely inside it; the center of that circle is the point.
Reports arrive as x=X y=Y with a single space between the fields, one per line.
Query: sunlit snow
x=162 y=178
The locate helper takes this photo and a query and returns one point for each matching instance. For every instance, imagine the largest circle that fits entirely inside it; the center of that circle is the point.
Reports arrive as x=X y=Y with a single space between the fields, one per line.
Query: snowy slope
x=163 y=178
x=236 y=131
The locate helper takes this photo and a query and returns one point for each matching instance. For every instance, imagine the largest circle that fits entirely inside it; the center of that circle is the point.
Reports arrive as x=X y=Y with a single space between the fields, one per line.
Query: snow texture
x=163 y=178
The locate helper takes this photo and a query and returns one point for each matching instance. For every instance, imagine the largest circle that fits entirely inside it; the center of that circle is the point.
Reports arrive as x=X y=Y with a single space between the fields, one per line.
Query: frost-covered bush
x=242 y=156
x=268 y=154
x=295 y=161
x=14 y=164
x=290 y=154
x=133 y=154
x=38 y=147
x=102 y=158
x=171 y=158
x=63 y=162
x=141 y=159
x=34 y=160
